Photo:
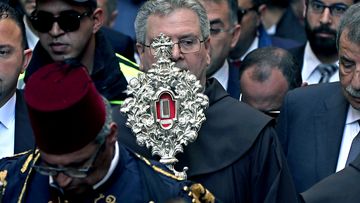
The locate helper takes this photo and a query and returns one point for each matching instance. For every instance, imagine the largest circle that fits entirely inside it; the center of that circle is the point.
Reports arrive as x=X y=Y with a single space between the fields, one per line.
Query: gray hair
x=350 y=21
x=105 y=131
x=165 y=7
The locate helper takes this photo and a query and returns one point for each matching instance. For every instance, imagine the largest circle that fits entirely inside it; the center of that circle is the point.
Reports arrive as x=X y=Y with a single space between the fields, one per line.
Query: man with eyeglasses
x=318 y=58
x=319 y=124
x=78 y=158
x=224 y=33
x=253 y=34
x=236 y=153
x=266 y=75
x=70 y=30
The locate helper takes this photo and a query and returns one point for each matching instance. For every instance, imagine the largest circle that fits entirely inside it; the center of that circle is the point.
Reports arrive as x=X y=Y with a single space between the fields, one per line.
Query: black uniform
x=134 y=180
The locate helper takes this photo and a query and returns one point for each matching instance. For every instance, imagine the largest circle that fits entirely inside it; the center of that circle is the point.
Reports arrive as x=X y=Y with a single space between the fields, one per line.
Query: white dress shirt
x=7 y=128
x=31 y=37
x=308 y=73
x=222 y=75
x=352 y=128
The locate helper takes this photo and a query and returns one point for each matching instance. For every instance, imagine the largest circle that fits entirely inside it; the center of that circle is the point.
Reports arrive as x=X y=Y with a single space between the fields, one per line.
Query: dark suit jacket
x=340 y=187
x=289 y=27
x=122 y=44
x=234 y=81
x=310 y=129
x=24 y=139
x=298 y=53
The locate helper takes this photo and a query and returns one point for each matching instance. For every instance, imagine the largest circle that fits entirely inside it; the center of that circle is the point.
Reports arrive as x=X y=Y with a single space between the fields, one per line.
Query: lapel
x=329 y=126
x=234 y=82
x=24 y=139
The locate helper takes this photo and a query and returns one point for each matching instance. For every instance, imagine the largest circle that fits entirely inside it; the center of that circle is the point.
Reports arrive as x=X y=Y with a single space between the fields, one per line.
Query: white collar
x=31 y=37
x=310 y=62
x=7 y=111
x=222 y=75
x=254 y=45
x=353 y=115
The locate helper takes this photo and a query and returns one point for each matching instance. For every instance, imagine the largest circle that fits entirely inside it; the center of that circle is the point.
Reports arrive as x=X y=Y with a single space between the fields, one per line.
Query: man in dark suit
x=278 y=17
x=15 y=130
x=340 y=187
x=224 y=34
x=321 y=22
x=318 y=123
x=253 y=35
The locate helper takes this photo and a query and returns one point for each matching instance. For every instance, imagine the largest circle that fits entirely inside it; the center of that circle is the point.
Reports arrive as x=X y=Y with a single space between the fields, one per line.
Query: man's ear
x=98 y=17
x=112 y=19
x=235 y=35
x=27 y=58
x=141 y=51
x=113 y=136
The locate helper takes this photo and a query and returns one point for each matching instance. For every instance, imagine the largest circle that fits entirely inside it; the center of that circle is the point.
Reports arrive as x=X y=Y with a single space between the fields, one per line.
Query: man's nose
x=326 y=17
x=62 y=180
x=176 y=53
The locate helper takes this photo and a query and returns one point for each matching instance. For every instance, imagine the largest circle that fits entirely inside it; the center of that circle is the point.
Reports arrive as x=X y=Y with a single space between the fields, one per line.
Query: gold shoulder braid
x=2 y=183
x=158 y=169
x=199 y=194
x=31 y=159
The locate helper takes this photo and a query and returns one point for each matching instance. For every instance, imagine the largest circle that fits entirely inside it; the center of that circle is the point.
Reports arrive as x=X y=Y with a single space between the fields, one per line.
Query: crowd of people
x=283 y=89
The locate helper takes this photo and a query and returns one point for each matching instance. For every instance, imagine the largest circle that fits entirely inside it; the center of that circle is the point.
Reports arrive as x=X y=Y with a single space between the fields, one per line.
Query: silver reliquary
x=166 y=106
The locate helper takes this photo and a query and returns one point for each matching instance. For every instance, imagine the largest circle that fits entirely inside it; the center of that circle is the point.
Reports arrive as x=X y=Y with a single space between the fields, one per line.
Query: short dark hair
x=273 y=58
x=90 y=5
x=8 y=12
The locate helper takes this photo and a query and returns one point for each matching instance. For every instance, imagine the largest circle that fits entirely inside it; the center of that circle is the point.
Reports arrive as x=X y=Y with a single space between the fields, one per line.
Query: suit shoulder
x=316 y=91
x=19 y=162
x=195 y=192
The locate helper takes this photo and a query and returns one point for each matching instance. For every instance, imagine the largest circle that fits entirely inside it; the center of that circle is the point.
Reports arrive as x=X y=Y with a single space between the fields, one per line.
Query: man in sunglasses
x=70 y=30
x=79 y=158
x=318 y=58
x=253 y=34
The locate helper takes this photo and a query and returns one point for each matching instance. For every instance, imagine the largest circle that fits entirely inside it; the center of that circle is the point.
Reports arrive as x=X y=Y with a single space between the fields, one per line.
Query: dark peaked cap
x=66 y=111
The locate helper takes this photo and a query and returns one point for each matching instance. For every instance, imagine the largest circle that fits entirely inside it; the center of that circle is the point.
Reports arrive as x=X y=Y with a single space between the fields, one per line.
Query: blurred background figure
x=279 y=20
x=298 y=7
x=318 y=58
x=266 y=75
x=253 y=34
x=224 y=34
x=126 y=16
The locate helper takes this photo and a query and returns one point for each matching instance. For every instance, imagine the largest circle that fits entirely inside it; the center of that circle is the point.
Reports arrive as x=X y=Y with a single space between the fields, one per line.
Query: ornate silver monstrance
x=166 y=107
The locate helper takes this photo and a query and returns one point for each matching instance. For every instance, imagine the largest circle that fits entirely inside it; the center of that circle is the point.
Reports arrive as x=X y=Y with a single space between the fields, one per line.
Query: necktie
x=326 y=71
x=236 y=63
x=354 y=149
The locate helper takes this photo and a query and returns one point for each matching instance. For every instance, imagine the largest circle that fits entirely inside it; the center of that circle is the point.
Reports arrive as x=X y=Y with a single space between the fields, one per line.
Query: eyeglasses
x=336 y=9
x=68 y=21
x=70 y=171
x=217 y=31
x=272 y=113
x=241 y=12
x=186 y=46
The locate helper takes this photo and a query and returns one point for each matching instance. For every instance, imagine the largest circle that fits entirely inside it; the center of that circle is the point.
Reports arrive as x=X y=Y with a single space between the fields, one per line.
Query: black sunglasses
x=241 y=12
x=68 y=21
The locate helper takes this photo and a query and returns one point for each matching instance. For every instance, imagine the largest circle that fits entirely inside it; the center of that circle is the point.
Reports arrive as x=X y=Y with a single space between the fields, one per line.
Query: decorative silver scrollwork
x=166 y=106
